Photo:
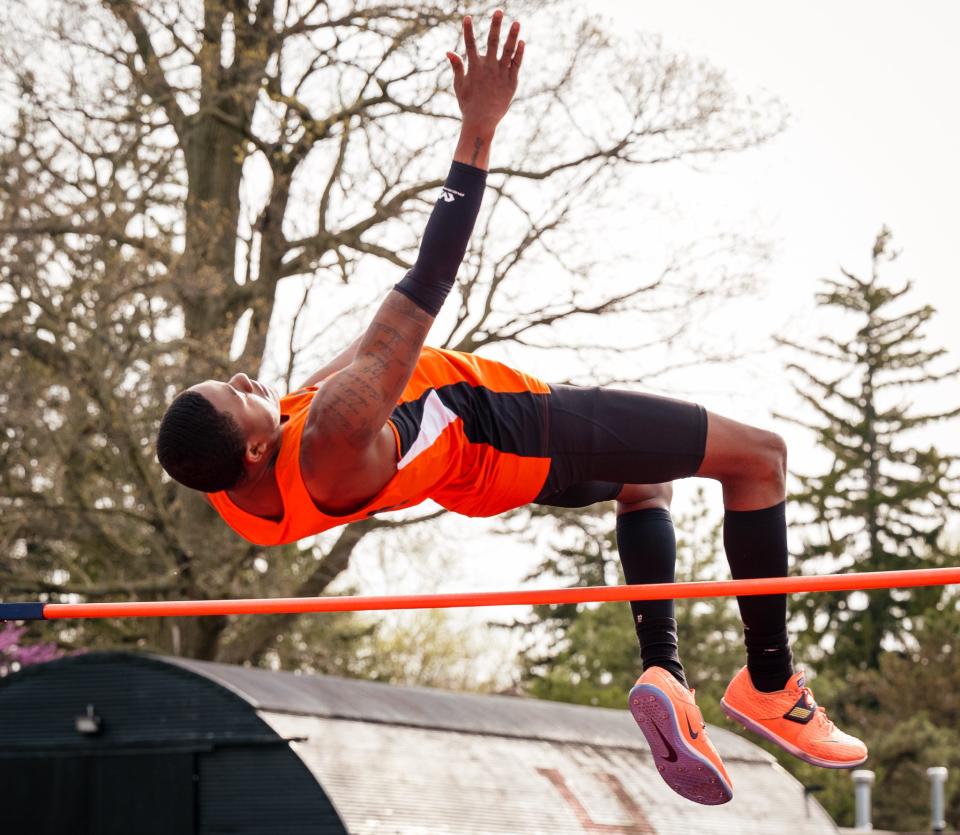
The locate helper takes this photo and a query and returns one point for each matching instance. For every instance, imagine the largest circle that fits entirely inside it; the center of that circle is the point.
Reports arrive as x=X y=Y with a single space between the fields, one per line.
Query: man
x=390 y=423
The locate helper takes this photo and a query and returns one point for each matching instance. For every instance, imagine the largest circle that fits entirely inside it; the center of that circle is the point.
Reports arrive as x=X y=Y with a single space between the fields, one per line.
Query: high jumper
x=390 y=423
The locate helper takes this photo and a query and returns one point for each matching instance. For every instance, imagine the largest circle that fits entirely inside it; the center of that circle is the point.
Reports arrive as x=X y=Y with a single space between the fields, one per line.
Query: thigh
x=621 y=437
x=581 y=494
x=735 y=449
x=644 y=496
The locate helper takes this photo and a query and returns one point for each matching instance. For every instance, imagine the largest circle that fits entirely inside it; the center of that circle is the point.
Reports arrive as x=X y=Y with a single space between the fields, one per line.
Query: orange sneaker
x=793 y=720
x=670 y=720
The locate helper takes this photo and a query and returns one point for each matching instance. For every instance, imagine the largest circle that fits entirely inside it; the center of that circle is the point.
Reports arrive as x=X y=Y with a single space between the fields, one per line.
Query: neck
x=255 y=477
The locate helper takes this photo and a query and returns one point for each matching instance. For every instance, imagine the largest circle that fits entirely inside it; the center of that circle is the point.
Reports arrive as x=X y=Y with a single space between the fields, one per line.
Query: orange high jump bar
x=584 y=594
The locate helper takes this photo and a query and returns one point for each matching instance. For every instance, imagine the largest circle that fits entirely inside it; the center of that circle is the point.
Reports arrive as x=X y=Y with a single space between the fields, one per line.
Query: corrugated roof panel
x=413 y=780
x=426 y=708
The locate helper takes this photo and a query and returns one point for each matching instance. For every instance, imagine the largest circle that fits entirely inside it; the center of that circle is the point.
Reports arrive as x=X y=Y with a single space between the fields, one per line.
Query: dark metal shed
x=195 y=748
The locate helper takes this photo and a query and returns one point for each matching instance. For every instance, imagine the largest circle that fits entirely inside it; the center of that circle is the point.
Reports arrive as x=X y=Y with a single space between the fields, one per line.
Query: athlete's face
x=254 y=406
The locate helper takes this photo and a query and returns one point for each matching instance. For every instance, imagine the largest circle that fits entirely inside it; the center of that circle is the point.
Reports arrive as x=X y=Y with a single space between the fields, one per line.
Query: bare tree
x=180 y=180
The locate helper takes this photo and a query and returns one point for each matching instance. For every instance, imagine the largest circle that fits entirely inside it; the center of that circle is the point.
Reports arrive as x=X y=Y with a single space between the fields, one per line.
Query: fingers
x=511 y=44
x=493 y=39
x=512 y=50
x=469 y=41
x=457 y=66
x=517 y=60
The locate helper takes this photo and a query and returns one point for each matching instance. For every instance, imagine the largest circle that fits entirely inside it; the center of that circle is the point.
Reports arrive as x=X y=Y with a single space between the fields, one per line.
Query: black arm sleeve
x=445 y=238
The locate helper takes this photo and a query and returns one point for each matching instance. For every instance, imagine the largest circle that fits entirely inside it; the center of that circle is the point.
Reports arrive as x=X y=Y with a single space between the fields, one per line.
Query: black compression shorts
x=600 y=439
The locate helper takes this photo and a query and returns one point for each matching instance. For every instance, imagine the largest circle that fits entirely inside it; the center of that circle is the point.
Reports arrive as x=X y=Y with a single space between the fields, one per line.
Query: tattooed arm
x=353 y=405
x=348 y=450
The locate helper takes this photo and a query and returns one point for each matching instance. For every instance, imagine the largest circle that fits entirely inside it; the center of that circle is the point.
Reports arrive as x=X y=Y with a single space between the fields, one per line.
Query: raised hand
x=486 y=86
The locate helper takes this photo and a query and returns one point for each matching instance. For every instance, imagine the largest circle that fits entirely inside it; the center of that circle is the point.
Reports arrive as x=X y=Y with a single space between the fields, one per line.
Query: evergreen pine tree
x=888 y=492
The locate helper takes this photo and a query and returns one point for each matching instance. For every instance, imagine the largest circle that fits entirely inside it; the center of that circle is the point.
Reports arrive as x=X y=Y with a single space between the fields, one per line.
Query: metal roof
x=417 y=761
x=387 y=759
x=422 y=707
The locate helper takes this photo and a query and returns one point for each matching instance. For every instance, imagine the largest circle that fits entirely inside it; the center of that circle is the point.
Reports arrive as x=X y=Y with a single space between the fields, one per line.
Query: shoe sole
x=800 y=754
x=688 y=773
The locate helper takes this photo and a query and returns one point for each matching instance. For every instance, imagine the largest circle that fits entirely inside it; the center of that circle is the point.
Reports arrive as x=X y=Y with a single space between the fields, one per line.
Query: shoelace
x=703 y=724
x=821 y=712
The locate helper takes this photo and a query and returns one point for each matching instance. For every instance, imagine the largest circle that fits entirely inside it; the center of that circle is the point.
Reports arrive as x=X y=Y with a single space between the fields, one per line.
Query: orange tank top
x=471 y=434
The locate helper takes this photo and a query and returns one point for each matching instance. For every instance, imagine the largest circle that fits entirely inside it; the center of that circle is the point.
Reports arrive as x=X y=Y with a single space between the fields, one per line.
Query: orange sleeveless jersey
x=471 y=435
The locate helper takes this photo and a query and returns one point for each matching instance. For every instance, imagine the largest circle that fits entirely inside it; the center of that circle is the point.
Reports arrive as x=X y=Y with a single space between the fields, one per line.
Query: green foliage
x=431 y=649
x=907 y=712
x=887 y=495
x=883 y=504
x=595 y=664
x=328 y=644
x=910 y=716
x=424 y=649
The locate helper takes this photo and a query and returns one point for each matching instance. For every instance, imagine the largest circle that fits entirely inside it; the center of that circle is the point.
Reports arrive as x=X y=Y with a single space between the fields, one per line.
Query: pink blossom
x=13 y=653
x=9 y=636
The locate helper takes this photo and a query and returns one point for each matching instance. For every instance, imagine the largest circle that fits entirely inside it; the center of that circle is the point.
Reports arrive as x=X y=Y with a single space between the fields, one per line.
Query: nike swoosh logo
x=693 y=734
x=672 y=755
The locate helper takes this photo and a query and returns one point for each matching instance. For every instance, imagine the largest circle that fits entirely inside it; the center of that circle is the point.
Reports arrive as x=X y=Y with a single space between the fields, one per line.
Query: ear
x=256 y=451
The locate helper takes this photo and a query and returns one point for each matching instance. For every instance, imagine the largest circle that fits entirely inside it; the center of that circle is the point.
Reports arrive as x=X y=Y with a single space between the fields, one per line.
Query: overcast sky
x=874 y=129
x=873 y=139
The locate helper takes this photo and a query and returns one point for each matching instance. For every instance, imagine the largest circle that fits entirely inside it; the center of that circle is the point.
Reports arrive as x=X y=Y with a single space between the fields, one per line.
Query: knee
x=771 y=461
x=644 y=496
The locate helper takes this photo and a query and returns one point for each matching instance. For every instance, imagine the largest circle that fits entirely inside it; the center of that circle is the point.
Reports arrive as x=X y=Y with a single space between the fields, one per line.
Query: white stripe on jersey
x=436 y=418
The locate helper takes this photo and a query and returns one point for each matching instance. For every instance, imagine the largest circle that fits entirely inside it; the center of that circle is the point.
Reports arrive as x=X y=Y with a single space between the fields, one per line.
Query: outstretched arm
x=352 y=406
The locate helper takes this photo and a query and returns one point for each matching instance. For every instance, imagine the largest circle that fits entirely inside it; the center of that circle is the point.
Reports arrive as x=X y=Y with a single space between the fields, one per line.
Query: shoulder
x=340 y=478
x=328 y=442
x=298 y=399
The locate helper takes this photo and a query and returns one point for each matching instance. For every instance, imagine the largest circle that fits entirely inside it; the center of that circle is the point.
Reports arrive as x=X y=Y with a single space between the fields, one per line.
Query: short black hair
x=200 y=447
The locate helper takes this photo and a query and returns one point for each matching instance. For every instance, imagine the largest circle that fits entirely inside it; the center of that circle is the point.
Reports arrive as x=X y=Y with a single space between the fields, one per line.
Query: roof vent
x=88 y=723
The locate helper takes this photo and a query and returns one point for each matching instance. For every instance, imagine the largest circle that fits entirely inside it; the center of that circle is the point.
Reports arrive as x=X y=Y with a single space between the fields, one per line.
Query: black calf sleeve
x=445 y=238
x=648 y=553
x=756 y=546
